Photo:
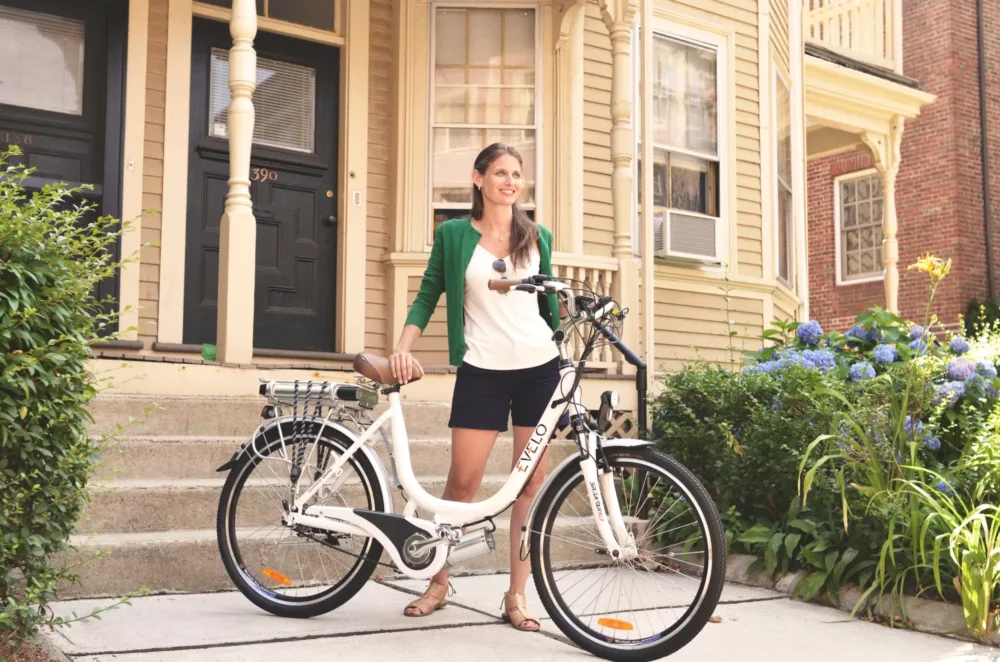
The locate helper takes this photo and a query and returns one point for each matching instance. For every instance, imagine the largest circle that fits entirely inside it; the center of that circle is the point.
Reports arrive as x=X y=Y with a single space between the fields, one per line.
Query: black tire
x=353 y=581
x=710 y=590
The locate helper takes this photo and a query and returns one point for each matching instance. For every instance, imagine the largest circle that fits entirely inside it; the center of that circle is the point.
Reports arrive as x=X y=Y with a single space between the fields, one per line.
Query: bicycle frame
x=400 y=535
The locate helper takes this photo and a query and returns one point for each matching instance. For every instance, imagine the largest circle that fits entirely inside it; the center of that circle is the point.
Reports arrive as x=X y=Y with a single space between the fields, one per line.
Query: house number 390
x=11 y=138
x=263 y=175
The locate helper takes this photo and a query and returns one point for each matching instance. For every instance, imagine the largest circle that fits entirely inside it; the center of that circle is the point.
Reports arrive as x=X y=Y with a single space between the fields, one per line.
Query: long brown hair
x=523 y=232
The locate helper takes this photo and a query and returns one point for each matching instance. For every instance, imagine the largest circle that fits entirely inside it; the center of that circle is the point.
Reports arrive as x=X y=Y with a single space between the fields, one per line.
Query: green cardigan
x=454 y=243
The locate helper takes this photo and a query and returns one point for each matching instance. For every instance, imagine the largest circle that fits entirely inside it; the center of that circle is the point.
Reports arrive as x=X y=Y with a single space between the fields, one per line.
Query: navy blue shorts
x=483 y=399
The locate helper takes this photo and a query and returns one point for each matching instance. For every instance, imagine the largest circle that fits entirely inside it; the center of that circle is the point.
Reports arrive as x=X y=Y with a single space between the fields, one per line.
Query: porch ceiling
x=856 y=99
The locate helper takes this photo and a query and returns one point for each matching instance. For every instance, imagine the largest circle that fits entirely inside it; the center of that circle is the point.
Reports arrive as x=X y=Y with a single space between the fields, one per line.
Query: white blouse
x=503 y=331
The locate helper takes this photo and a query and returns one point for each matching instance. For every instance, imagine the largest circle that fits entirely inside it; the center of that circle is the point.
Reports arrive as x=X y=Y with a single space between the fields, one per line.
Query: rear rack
x=293 y=393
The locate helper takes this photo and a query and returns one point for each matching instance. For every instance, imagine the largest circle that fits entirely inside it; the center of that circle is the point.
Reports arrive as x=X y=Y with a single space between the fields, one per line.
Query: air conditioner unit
x=689 y=236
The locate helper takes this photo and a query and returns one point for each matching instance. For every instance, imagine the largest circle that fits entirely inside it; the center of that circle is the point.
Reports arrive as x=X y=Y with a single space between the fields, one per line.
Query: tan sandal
x=517 y=615
x=434 y=598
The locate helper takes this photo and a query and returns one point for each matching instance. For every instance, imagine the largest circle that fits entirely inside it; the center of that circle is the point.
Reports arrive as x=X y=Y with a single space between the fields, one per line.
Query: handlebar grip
x=629 y=355
x=501 y=285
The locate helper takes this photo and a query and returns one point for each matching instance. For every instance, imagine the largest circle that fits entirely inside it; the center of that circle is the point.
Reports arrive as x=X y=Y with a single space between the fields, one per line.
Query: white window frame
x=430 y=206
x=780 y=78
x=838 y=230
x=722 y=44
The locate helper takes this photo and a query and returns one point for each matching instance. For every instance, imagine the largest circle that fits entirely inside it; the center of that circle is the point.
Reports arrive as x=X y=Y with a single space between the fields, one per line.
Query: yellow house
x=287 y=161
x=295 y=156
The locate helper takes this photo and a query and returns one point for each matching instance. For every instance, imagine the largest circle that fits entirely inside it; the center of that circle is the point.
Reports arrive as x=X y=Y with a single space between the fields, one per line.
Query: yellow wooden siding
x=784 y=308
x=152 y=185
x=598 y=216
x=693 y=326
x=380 y=119
x=779 y=33
x=431 y=349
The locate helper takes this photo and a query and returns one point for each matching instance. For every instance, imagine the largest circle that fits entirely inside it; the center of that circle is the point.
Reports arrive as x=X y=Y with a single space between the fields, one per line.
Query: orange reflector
x=279 y=578
x=614 y=624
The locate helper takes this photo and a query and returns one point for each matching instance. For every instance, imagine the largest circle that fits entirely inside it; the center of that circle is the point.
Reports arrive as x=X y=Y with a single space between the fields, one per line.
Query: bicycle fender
x=530 y=517
x=350 y=437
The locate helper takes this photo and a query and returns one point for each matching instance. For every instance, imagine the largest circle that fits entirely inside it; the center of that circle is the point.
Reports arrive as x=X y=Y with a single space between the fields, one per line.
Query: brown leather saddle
x=378 y=369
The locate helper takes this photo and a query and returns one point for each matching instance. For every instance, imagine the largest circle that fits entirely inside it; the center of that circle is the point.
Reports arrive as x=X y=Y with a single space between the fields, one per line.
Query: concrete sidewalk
x=756 y=625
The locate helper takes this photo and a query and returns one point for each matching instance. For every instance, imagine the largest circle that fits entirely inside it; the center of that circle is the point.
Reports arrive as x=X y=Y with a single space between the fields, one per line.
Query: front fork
x=618 y=541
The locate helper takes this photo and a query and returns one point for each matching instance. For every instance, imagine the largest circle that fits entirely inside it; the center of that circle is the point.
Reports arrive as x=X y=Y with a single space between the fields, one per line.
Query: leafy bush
x=980 y=317
x=820 y=451
x=53 y=253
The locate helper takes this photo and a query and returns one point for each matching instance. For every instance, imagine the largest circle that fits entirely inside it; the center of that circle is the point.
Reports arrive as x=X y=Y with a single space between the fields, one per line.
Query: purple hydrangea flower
x=948 y=394
x=916 y=332
x=942 y=486
x=862 y=371
x=986 y=369
x=855 y=333
x=919 y=344
x=822 y=359
x=960 y=369
x=914 y=427
x=885 y=354
x=932 y=443
x=810 y=332
x=959 y=345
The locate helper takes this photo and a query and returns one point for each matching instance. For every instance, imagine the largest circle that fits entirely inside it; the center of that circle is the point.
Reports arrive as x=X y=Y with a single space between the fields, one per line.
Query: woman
x=500 y=342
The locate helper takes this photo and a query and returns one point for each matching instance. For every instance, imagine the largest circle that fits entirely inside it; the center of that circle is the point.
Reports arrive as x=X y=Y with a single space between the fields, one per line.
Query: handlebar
x=532 y=285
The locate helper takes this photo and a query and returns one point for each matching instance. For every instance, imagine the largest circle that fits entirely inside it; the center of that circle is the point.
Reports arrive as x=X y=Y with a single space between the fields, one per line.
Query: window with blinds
x=284 y=103
x=54 y=47
x=484 y=91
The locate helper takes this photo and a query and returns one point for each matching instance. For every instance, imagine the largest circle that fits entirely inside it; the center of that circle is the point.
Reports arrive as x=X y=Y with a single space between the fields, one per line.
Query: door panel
x=61 y=95
x=293 y=181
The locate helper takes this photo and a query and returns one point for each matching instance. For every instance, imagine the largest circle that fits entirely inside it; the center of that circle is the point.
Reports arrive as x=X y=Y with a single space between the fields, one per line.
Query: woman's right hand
x=402 y=364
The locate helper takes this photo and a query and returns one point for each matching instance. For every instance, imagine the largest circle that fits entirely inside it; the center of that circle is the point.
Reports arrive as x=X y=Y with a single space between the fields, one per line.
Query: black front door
x=61 y=96
x=293 y=187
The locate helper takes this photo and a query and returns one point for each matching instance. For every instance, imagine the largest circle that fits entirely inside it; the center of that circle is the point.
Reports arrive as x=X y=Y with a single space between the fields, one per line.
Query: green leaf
x=810 y=587
x=831 y=560
x=791 y=540
x=771 y=553
x=756 y=534
x=805 y=526
x=23 y=412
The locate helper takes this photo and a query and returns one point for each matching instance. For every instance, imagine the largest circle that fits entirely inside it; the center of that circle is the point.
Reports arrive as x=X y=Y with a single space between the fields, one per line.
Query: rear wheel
x=638 y=609
x=301 y=571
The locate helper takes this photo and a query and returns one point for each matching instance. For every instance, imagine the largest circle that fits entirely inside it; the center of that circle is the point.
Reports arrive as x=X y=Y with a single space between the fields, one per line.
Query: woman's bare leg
x=520 y=570
x=470 y=450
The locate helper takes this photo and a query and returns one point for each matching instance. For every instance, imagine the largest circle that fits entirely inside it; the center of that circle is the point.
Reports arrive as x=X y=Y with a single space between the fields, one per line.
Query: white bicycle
x=627 y=548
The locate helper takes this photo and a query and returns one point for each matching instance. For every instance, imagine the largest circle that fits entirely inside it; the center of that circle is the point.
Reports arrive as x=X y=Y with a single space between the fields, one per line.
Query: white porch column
x=886 y=150
x=238 y=240
x=619 y=17
x=568 y=191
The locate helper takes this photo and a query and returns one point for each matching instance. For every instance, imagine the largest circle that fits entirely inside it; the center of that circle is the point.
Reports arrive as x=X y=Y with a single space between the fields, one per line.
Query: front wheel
x=645 y=607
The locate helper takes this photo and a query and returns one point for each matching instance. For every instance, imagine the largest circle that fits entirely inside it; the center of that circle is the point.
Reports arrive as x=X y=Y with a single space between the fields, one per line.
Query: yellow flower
x=935 y=267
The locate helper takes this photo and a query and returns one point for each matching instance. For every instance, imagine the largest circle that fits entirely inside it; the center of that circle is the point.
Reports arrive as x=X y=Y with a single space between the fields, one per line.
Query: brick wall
x=939 y=188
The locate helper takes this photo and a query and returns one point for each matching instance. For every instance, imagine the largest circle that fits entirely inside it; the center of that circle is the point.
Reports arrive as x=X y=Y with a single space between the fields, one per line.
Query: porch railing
x=599 y=274
x=866 y=30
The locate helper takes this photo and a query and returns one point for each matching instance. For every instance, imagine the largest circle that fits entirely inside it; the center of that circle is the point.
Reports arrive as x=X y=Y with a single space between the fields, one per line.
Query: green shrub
x=980 y=317
x=53 y=253
x=811 y=450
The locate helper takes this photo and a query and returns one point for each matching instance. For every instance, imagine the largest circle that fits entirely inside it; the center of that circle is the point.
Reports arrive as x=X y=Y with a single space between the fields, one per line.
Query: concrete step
x=189 y=561
x=140 y=416
x=198 y=457
x=159 y=506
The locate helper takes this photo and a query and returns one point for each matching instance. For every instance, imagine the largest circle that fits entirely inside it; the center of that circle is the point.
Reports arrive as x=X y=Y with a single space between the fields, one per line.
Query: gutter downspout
x=985 y=150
